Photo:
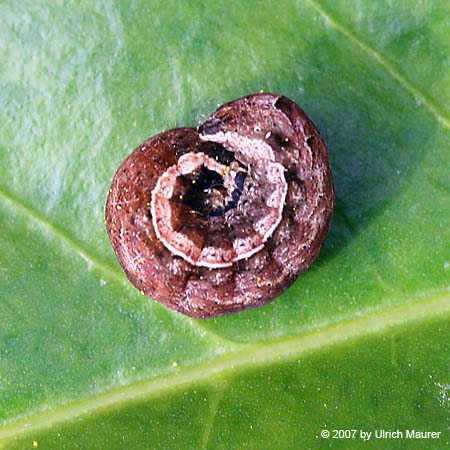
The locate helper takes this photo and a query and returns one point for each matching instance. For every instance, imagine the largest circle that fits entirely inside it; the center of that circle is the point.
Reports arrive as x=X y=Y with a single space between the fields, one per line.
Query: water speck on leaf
x=444 y=394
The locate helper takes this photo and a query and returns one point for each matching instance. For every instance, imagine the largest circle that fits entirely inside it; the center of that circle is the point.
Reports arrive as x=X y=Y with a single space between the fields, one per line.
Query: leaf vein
x=406 y=84
x=77 y=248
x=215 y=402
x=69 y=242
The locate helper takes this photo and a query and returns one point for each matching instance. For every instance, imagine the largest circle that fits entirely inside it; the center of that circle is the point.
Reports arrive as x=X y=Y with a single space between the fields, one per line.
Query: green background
x=361 y=341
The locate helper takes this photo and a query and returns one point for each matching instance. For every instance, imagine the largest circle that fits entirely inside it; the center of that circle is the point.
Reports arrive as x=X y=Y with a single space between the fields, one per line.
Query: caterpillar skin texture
x=224 y=217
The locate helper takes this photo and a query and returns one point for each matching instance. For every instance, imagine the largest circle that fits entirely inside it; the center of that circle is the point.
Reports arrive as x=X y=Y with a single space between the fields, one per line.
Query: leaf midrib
x=248 y=357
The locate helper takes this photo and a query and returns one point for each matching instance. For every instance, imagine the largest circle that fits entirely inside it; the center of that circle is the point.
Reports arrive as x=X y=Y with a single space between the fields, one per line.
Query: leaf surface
x=86 y=361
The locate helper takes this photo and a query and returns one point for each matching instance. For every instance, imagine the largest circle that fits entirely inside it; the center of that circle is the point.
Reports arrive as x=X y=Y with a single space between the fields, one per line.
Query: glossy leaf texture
x=361 y=341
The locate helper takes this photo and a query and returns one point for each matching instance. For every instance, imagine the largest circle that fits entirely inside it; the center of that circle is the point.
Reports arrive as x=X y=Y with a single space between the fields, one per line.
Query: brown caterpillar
x=224 y=217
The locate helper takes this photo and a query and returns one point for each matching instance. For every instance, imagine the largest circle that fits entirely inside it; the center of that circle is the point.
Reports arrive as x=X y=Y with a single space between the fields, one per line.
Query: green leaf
x=361 y=341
